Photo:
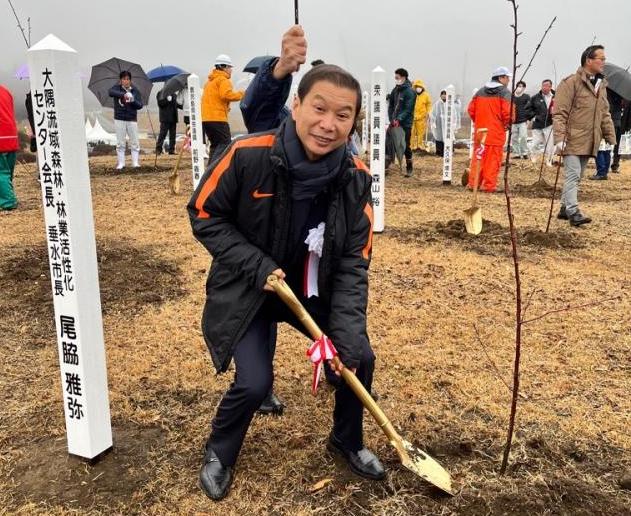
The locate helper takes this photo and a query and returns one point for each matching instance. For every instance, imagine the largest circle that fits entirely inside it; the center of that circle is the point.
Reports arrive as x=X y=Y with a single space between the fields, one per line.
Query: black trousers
x=408 y=136
x=253 y=358
x=165 y=128
x=616 y=157
x=218 y=133
x=440 y=148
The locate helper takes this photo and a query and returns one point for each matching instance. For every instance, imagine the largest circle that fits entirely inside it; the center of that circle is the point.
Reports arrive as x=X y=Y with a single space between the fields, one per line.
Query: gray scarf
x=309 y=178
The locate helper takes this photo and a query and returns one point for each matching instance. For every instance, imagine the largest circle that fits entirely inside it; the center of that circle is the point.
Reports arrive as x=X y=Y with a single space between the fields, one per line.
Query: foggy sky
x=441 y=42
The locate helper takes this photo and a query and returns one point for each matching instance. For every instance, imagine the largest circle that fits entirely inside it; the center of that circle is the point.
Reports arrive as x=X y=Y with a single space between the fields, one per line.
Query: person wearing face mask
x=437 y=121
x=401 y=112
x=581 y=119
x=422 y=108
x=490 y=108
x=127 y=102
x=519 y=135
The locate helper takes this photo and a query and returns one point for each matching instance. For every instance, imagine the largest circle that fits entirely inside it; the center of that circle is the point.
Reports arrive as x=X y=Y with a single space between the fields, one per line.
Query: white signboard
x=198 y=150
x=67 y=201
x=378 y=117
x=449 y=134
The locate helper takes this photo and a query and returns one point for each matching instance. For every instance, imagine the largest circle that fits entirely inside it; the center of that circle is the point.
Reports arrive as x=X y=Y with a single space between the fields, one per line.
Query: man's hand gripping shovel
x=411 y=457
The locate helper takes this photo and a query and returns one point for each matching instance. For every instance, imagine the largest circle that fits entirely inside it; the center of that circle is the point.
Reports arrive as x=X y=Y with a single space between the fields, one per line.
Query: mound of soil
x=110 y=170
x=494 y=239
x=540 y=189
x=130 y=279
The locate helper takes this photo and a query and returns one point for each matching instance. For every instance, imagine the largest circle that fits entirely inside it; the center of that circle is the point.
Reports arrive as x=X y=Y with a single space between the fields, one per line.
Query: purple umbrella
x=22 y=72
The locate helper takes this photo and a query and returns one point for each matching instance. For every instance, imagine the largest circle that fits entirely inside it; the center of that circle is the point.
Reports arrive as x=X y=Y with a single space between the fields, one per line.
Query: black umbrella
x=619 y=80
x=175 y=84
x=106 y=74
x=256 y=63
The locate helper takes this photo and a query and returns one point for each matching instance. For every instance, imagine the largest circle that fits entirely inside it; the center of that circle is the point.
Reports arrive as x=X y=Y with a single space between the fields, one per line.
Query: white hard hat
x=223 y=59
x=502 y=70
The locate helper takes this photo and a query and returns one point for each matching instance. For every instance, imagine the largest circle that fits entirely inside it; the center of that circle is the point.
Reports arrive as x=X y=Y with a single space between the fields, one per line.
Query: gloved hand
x=129 y=97
x=395 y=123
x=559 y=147
x=169 y=98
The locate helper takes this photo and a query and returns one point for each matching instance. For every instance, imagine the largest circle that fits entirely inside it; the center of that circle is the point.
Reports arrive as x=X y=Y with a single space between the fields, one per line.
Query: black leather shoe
x=215 y=479
x=578 y=219
x=562 y=215
x=363 y=463
x=271 y=405
x=597 y=177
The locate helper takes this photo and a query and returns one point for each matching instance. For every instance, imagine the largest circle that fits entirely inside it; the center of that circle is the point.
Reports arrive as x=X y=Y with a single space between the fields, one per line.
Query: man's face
x=228 y=70
x=398 y=78
x=504 y=79
x=125 y=82
x=546 y=87
x=443 y=97
x=324 y=118
x=596 y=64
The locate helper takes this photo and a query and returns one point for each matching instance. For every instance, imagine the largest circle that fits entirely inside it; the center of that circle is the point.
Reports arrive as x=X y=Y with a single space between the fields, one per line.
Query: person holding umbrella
x=216 y=99
x=127 y=102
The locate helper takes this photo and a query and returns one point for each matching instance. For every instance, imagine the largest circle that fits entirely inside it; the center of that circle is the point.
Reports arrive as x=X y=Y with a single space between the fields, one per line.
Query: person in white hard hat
x=216 y=98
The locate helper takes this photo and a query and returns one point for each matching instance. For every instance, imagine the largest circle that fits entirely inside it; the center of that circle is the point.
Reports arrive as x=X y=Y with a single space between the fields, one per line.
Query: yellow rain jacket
x=217 y=95
x=422 y=108
x=423 y=104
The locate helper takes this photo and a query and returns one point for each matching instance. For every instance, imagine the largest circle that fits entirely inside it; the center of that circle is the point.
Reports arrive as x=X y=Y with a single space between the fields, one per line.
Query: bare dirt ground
x=443 y=389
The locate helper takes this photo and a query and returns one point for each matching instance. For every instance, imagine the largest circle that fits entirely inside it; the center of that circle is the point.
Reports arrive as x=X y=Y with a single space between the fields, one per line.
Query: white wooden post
x=378 y=117
x=472 y=135
x=198 y=150
x=448 y=132
x=65 y=180
x=365 y=121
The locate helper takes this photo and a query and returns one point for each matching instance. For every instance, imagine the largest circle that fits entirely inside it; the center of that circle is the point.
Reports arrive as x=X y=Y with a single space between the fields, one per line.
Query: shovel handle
x=475 y=163
x=289 y=298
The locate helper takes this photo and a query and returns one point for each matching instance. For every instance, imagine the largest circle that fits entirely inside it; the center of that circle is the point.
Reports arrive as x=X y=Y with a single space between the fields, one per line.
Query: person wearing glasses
x=581 y=119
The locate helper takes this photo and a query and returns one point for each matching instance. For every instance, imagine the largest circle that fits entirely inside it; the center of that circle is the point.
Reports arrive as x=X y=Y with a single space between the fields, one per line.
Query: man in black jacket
x=519 y=134
x=401 y=113
x=168 y=107
x=540 y=109
x=293 y=203
x=127 y=102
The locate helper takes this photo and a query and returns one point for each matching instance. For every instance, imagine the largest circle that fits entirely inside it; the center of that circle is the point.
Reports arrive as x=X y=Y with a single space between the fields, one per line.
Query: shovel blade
x=174 y=183
x=473 y=220
x=420 y=463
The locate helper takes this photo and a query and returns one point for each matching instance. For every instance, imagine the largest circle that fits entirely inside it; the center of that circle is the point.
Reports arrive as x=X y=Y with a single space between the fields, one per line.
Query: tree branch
x=19 y=24
x=537 y=48
x=569 y=307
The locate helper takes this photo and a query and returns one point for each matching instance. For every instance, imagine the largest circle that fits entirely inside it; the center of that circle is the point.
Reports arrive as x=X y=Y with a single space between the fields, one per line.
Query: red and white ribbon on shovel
x=321 y=350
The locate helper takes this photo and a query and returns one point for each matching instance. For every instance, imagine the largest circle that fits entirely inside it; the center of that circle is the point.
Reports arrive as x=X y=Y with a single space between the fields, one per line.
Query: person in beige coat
x=581 y=120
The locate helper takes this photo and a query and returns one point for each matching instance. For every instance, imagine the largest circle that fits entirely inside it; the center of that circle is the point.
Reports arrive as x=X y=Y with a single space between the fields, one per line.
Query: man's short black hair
x=546 y=80
x=402 y=72
x=317 y=62
x=443 y=91
x=590 y=52
x=336 y=76
x=123 y=74
x=521 y=83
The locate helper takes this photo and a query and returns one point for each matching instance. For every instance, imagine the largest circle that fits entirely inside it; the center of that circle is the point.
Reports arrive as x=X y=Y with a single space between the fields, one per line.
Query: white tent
x=98 y=134
x=88 y=127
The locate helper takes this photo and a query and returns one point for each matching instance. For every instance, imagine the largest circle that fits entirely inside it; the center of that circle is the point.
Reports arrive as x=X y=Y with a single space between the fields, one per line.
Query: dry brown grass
x=430 y=284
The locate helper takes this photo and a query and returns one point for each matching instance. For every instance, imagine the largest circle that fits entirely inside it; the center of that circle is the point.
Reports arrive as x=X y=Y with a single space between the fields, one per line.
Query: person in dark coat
x=540 y=110
x=519 y=134
x=603 y=158
x=127 y=102
x=273 y=203
x=401 y=113
x=168 y=107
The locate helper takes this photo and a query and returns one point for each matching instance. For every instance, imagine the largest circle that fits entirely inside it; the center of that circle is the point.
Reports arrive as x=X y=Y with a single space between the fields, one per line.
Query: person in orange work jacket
x=490 y=108
x=216 y=98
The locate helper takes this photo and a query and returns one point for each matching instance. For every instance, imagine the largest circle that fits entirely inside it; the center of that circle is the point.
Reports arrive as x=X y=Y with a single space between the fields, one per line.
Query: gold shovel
x=174 y=178
x=473 y=215
x=411 y=457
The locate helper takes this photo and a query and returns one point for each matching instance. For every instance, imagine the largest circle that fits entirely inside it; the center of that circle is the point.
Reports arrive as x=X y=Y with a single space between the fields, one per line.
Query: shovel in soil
x=174 y=178
x=411 y=457
x=473 y=215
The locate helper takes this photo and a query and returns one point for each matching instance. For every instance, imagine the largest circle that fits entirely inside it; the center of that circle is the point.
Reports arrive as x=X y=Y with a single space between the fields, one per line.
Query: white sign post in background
x=378 y=117
x=198 y=150
x=67 y=200
x=472 y=135
x=449 y=134
x=365 y=121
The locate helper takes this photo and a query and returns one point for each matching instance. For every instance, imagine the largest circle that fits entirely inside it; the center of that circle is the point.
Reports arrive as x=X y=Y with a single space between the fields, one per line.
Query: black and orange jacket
x=241 y=212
